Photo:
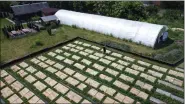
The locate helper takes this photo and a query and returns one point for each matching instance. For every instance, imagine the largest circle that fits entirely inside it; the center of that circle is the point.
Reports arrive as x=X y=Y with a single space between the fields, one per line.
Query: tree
x=129 y=10
x=49 y=31
x=79 y=6
x=5 y=6
x=152 y=9
x=104 y=7
x=89 y=7
x=61 y=4
x=121 y=9
x=173 y=14
x=173 y=5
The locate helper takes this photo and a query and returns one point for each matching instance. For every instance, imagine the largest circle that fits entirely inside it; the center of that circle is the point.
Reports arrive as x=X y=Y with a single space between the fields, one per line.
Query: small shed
x=47 y=19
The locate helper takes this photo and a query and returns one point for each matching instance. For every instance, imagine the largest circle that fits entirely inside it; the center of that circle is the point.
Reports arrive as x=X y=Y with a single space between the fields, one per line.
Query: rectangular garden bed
x=78 y=71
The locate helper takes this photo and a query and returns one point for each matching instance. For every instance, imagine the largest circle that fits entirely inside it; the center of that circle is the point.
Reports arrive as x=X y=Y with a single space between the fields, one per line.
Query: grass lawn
x=13 y=48
x=4 y=22
x=181 y=65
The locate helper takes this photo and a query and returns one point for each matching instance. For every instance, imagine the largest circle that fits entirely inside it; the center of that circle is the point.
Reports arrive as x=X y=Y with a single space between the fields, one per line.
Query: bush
x=175 y=53
x=173 y=14
x=111 y=35
x=58 y=22
x=116 y=45
x=158 y=57
x=176 y=35
x=53 y=25
x=35 y=18
x=39 y=43
x=165 y=98
x=152 y=20
x=152 y=9
x=171 y=56
x=43 y=28
x=169 y=89
x=49 y=30
x=179 y=23
x=74 y=26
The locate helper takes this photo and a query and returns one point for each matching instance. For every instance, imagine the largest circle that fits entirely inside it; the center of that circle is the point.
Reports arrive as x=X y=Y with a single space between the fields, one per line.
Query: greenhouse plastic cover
x=140 y=32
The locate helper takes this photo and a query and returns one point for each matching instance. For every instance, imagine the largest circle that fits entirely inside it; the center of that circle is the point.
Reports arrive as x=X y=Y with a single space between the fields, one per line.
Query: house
x=26 y=11
x=140 y=32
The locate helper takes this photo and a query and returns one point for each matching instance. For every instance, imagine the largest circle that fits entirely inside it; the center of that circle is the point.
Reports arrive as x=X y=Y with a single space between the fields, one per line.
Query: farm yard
x=79 y=72
x=27 y=45
x=92 y=52
x=170 y=51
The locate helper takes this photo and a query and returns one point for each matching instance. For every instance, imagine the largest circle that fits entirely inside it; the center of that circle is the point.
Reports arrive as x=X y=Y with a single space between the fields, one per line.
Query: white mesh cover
x=141 y=32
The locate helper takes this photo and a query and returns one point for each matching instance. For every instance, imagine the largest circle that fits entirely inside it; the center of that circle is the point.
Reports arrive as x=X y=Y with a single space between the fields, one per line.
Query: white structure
x=140 y=32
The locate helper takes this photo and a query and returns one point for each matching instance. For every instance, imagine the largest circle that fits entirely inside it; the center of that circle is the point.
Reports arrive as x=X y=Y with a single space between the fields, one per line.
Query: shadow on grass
x=180 y=64
x=166 y=43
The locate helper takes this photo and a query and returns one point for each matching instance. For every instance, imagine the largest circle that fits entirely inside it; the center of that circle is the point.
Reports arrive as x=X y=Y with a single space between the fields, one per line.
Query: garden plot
x=79 y=72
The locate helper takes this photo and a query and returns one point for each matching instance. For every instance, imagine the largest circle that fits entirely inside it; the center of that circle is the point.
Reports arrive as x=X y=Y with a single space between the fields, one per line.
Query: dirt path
x=10 y=21
x=179 y=29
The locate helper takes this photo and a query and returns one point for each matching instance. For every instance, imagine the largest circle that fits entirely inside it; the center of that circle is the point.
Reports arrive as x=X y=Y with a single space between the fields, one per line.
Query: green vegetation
x=176 y=35
x=165 y=98
x=37 y=43
x=181 y=65
x=169 y=14
x=169 y=51
x=74 y=26
x=96 y=77
x=170 y=17
x=49 y=31
x=35 y=18
x=118 y=46
x=65 y=33
x=173 y=49
x=4 y=22
x=173 y=91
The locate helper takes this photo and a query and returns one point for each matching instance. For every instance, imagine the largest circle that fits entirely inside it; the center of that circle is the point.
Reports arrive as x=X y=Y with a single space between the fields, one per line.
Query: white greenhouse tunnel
x=140 y=32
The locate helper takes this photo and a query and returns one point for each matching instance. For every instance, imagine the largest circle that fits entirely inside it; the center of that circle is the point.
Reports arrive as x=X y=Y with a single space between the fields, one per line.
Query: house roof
x=49 y=11
x=29 y=8
x=49 y=18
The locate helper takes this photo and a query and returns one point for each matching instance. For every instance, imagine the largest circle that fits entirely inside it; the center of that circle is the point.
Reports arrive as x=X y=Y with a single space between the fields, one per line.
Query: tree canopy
x=133 y=10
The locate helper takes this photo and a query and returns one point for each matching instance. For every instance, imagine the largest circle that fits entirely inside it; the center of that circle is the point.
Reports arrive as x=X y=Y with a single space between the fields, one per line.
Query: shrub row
x=116 y=45
x=165 y=98
x=173 y=56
